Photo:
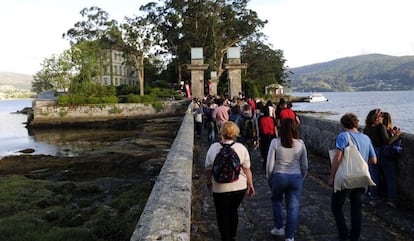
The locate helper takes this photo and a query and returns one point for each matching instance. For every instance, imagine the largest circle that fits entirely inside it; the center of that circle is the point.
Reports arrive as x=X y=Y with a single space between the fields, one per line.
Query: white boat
x=315 y=98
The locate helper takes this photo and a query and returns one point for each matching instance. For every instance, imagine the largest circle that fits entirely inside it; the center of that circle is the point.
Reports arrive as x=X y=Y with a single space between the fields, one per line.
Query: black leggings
x=227 y=205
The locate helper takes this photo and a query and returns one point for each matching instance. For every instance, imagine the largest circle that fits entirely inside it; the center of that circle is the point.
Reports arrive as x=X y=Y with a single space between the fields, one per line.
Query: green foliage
x=251 y=89
x=63 y=113
x=43 y=211
x=109 y=99
x=115 y=110
x=22 y=227
x=56 y=73
x=126 y=89
x=214 y=25
x=80 y=99
x=158 y=106
x=266 y=66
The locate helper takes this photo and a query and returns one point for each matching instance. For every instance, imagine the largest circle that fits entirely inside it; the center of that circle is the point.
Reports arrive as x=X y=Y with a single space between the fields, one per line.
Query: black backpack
x=247 y=129
x=226 y=165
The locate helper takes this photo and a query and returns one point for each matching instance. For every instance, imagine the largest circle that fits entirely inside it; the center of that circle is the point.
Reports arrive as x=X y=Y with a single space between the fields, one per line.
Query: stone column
x=234 y=68
x=197 y=68
x=214 y=82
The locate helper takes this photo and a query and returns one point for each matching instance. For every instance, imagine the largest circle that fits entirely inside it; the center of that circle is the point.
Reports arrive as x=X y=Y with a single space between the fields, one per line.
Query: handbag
x=199 y=117
x=353 y=171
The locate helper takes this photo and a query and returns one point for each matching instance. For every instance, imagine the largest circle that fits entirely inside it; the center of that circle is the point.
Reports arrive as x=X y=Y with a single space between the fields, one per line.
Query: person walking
x=221 y=113
x=267 y=131
x=228 y=196
x=349 y=122
x=209 y=122
x=287 y=164
x=247 y=123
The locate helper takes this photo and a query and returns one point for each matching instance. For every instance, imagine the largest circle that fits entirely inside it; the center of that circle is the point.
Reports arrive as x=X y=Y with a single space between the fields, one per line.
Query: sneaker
x=278 y=231
x=289 y=239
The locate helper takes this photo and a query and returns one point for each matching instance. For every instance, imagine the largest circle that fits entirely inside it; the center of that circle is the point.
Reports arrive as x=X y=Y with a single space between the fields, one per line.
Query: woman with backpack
x=229 y=177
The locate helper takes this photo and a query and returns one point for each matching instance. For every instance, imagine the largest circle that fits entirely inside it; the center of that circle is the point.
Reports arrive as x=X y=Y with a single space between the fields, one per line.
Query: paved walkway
x=315 y=220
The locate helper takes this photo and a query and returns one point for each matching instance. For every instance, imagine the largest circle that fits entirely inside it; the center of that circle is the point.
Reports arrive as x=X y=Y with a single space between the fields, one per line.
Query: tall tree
x=91 y=39
x=139 y=37
x=213 y=25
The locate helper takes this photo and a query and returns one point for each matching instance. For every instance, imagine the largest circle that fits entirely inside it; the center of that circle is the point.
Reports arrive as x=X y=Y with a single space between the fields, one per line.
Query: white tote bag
x=199 y=117
x=353 y=171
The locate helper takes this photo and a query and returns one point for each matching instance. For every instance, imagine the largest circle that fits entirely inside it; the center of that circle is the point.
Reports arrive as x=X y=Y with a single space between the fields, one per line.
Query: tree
x=139 y=37
x=56 y=73
x=213 y=25
x=265 y=65
x=89 y=39
x=92 y=28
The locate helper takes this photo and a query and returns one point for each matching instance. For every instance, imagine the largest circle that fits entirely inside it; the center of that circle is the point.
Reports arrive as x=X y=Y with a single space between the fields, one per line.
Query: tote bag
x=353 y=171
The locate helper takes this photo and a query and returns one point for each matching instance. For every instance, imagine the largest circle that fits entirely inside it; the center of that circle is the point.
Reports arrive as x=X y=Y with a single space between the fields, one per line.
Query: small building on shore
x=274 y=89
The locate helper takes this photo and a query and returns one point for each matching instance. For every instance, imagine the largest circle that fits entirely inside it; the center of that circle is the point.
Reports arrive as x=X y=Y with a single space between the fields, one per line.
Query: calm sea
x=14 y=136
x=400 y=104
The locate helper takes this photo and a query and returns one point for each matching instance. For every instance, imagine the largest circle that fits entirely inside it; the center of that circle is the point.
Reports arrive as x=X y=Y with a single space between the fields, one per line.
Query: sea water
x=400 y=104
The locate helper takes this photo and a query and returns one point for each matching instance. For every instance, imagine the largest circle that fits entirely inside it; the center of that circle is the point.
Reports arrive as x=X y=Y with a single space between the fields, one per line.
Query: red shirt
x=287 y=113
x=267 y=125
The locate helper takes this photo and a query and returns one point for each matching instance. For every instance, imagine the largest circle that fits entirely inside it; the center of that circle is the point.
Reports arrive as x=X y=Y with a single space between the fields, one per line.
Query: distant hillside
x=359 y=73
x=18 y=81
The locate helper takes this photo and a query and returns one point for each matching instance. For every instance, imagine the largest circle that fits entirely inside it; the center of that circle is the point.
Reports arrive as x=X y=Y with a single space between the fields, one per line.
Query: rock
x=27 y=150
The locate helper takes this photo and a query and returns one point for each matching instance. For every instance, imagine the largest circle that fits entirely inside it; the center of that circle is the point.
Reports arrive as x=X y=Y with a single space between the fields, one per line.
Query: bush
x=63 y=100
x=94 y=100
x=110 y=99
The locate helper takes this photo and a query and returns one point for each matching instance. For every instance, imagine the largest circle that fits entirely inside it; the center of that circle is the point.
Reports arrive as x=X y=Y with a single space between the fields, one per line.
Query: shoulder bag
x=353 y=171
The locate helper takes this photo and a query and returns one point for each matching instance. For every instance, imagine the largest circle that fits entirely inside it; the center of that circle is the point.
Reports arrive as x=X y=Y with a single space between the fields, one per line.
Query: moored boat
x=315 y=98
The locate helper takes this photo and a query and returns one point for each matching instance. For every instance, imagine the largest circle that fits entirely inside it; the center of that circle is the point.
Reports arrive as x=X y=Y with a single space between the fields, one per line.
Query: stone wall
x=320 y=136
x=47 y=113
x=167 y=213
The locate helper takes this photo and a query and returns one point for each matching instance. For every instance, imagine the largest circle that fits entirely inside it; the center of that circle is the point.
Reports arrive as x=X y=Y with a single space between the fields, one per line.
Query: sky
x=308 y=31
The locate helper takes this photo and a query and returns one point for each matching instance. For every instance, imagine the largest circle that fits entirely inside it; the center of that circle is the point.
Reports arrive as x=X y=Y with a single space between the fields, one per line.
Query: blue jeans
x=389 y=166
x=374 y=171
x=356 y=197
x=290 y=186
x=211 y=132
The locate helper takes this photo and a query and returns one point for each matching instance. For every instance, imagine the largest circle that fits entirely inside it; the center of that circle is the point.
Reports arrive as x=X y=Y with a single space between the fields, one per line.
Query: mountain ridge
x=357 y=73
x=16 y=80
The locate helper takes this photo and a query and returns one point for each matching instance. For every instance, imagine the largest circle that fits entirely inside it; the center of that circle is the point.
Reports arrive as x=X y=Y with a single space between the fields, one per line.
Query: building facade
x=117 y=71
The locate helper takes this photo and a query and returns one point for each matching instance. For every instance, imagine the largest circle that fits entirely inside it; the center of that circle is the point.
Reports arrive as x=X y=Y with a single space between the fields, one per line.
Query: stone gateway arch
x=197 y=68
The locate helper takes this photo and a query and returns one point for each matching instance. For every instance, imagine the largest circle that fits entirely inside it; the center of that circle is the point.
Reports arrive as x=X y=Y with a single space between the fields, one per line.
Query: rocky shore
x=97 y=194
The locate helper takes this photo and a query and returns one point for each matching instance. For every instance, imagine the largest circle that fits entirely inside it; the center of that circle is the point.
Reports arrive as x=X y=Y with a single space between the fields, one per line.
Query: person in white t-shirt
x=228 y=196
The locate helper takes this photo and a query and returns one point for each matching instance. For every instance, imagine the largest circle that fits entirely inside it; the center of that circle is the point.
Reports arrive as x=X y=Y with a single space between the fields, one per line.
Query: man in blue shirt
x=356 y=195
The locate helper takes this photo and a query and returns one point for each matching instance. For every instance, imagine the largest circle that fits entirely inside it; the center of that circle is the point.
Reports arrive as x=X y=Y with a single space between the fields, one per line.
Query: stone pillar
x=214 y=82
x=197 y=68
x=234 y=68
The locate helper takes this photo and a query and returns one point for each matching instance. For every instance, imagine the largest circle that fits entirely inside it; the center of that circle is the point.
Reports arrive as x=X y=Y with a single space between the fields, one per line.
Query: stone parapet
x=320 y=136
x=167 y=213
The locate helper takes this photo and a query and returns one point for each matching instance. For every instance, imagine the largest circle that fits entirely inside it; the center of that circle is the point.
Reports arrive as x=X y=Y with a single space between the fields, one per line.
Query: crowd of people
x=248 y=125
